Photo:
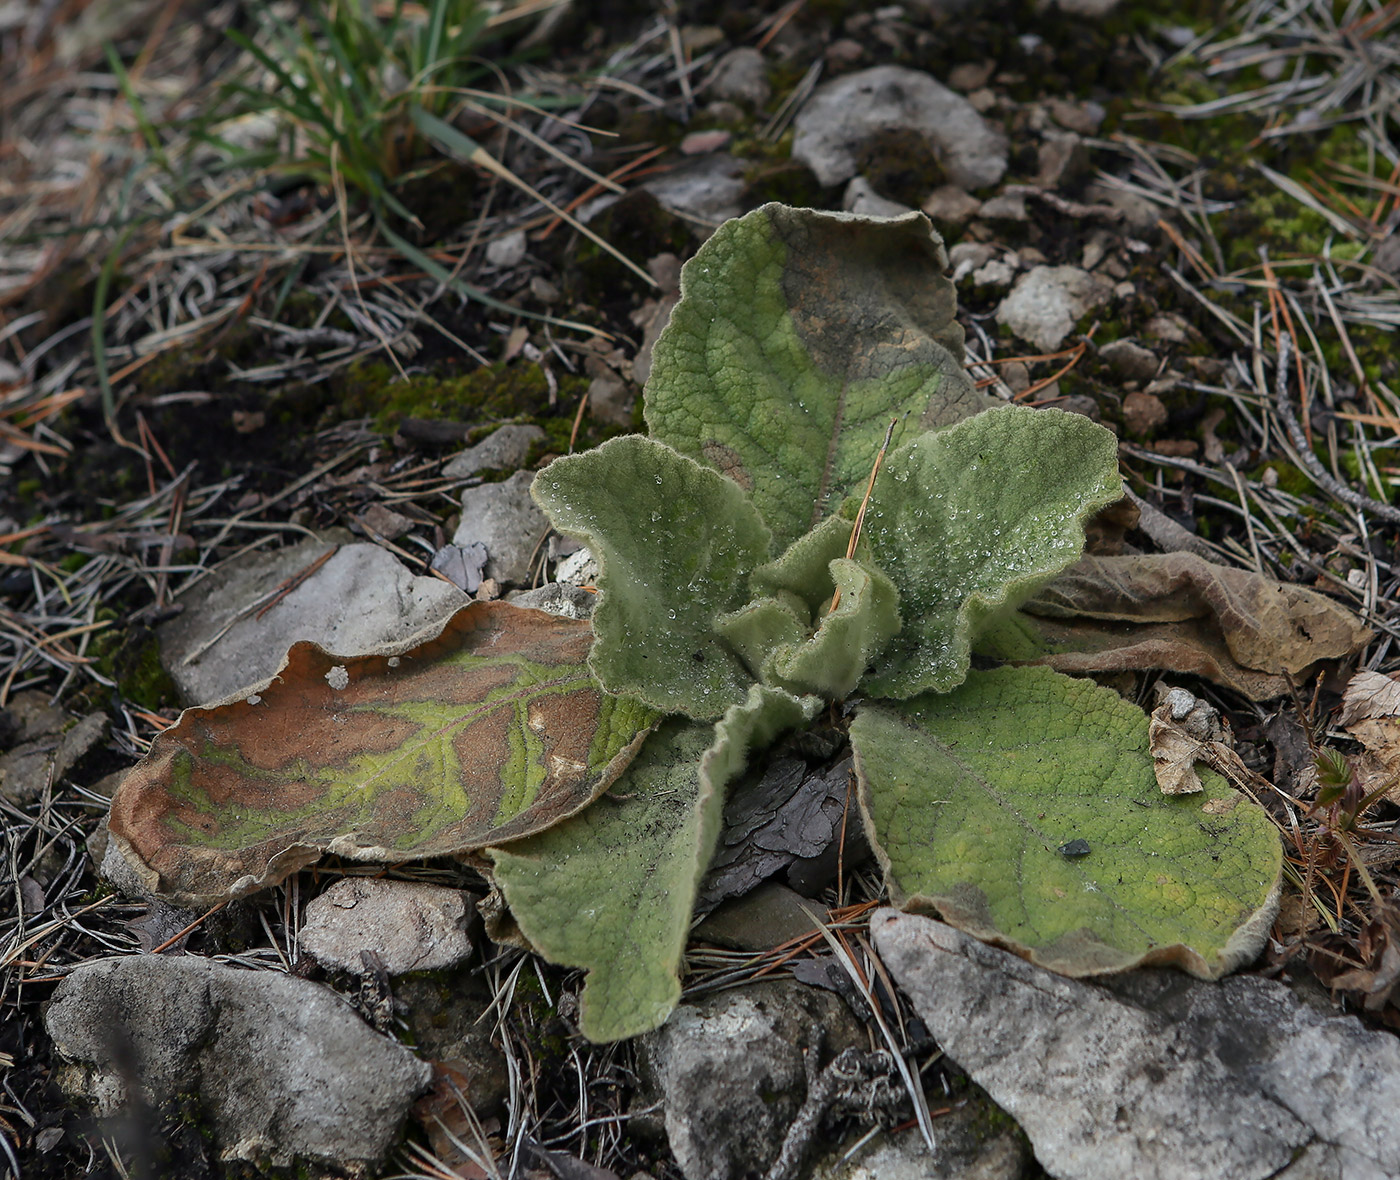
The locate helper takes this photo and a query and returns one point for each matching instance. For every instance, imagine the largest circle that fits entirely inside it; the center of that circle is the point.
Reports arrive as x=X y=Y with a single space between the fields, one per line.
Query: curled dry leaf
x=491 y=731
x=1371 y=714
x=1178 y=612
x=1180 y=727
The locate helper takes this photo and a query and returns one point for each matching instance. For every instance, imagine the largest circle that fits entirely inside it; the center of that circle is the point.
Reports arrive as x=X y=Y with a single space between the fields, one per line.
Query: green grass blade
x=138 y=108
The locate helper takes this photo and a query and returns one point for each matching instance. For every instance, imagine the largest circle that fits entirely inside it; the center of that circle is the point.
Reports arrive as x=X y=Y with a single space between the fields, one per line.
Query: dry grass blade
x=912 y=1083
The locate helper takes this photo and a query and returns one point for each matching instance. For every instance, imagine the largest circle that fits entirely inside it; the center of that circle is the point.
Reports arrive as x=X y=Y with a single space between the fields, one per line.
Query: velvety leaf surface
x=492 y=730
x=834 y=659
x=613 y=889
x=972 y=520
x=798 y=336
x=674 y=544
x=786 y=647
x=1023 y=808
x=1180 y=612
x=791 y=638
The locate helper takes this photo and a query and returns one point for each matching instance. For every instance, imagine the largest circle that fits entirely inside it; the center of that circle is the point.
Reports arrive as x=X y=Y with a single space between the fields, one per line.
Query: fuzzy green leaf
x=613 y=889
x=970 y=521
x=798 y=336
x=790 y=638
x=674 y=544
x=977 y=802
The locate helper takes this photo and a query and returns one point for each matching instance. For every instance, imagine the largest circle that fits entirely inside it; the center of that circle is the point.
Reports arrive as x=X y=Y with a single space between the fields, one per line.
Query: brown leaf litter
x=1178 y=612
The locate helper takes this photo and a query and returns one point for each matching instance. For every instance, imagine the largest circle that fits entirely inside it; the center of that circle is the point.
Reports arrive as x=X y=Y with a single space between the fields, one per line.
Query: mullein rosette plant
x=746 y=581
x=825 y=510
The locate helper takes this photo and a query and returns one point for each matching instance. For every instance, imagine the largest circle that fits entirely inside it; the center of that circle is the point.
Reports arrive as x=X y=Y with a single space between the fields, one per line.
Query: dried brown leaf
x=1179 y=612
x=490 y=731
x=1371 y=714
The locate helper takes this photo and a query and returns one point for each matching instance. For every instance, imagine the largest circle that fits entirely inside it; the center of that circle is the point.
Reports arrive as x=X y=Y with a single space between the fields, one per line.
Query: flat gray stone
x=504 y=519
x=1154 y=1075
x=410 y=926
x=1047 y=301
x=949 y=205
x=707 y=189
x=508 y=250
x=846 y=112
x=1129 y=360
x=966 y=1150
x=556 y=598
x=28 y=768
x=281 y=1068
x=767 y=917
x=862 y=200
x=741 y=75
x=730 y=1075
x=502 y=450
x=362 y=598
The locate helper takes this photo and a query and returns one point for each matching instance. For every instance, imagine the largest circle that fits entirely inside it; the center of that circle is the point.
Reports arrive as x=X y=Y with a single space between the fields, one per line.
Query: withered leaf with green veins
x=491 y=731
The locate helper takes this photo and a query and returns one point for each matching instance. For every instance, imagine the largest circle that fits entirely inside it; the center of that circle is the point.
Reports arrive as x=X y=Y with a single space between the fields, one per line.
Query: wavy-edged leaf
x=970 y=521
x=493 y=729
x=1023 y=808
x=798 y=336
x=612 y=889
x=674 y=544
x=834 y=659
x=775 y=639
x=790 y=638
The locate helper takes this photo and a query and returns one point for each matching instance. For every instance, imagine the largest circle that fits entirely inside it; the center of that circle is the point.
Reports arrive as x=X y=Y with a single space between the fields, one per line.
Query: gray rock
x=1130 y=361
x=360 y=599
x=1155 y=1075
x=507 y=250
x=118 y=872
x=556 y=598
x=281 y=1068
x=741 y=75
x=504 y=519
x=32 y=715
x=46 y=758
x=861 y=199
x=410 y=926
x=966 y=1150
x=846 y=112
x=708 y=189
x=462 y=565
x=1009 y=206
x=767 y=917
x=950 y=205
x=998 y=274
x=1138 y=213
x=1084 y=117
x=966 y=257
x=1048 y=301
x=729 y=1072
x=1063 y=158
x=501 y=450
